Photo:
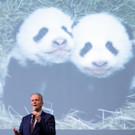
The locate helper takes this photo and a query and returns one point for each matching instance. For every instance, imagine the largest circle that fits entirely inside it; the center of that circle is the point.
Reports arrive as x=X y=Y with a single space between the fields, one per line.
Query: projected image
x=78 y=55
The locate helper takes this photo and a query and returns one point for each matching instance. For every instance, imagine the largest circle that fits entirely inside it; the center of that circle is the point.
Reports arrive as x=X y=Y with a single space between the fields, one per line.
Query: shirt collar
x=40 y=112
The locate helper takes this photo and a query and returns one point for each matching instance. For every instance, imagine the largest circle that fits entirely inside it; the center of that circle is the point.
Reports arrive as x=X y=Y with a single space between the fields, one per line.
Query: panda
x=43 y=43
x=103 y=45
x=104 y=57
x=44 y=37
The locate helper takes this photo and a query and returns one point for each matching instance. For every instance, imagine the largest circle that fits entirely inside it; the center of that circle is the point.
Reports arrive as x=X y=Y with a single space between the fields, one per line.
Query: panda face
x=45 y=36
x=102 y=45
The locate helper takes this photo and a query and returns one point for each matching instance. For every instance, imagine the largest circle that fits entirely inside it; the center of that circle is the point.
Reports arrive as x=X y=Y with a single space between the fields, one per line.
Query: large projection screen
x=79 y=54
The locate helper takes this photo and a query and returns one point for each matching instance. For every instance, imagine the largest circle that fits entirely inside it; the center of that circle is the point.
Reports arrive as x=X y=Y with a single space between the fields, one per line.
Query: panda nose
x=60 y=42
x=100 y=64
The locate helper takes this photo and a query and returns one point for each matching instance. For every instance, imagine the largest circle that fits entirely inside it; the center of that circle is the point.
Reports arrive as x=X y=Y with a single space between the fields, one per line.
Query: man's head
x=36 y=101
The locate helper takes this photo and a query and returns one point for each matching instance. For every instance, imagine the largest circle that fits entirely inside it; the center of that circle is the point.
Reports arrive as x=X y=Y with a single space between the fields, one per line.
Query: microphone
x=33 y=116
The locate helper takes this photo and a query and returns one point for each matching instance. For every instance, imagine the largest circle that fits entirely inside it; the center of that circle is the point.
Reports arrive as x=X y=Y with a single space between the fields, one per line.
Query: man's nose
x=34 y=101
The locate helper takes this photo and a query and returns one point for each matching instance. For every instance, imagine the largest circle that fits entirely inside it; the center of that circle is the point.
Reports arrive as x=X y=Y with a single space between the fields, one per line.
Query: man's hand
x=16 y=131
x=37 y=115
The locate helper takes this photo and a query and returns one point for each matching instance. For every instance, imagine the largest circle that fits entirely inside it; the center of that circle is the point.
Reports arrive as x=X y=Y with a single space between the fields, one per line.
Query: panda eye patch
x=42 y=32
x=65 y=29
x=110 y=47
x=87 y=47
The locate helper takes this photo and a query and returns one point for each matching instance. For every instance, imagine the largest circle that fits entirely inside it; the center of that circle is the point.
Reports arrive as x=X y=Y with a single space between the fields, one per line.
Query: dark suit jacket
x=45 y=127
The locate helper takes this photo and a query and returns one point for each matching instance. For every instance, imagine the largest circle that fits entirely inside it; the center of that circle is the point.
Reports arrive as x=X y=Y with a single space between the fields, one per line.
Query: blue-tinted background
x=66 y=91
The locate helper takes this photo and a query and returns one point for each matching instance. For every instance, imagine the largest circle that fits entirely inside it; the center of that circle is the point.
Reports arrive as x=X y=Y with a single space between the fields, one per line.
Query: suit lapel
x=37 y=128
x=29 y=124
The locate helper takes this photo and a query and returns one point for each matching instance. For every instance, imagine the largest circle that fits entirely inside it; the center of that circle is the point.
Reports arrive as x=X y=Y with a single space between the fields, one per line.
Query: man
x=37 y=123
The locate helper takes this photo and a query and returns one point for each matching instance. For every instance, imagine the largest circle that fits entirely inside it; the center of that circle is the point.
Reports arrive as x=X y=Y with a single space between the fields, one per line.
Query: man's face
x=36 y=102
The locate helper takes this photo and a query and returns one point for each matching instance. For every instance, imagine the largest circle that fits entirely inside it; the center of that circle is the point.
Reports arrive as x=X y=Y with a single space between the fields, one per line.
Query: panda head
x=102 y=45
x=45 y=36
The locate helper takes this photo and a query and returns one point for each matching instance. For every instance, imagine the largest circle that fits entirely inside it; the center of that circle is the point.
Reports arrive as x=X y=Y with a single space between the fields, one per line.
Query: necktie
x=32 y=124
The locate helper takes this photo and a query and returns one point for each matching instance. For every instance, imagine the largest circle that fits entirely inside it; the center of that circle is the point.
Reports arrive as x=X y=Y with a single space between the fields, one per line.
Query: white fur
x=44 y=51
x=98 y=29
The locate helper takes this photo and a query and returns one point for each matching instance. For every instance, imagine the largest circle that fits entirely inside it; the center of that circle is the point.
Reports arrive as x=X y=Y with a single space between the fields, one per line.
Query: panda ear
x=74 y=24
x=128 y=30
